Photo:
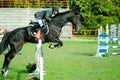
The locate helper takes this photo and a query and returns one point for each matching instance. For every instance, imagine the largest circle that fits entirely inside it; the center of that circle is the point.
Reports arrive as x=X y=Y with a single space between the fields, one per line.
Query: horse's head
x=76 y=23
x=69 y=16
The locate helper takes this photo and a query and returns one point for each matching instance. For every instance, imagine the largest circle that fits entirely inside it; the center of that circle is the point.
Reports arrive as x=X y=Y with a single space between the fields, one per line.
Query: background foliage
x=90 y=10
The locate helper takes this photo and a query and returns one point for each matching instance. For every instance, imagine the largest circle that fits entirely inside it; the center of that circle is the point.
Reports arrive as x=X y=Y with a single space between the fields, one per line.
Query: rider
x=46 y=14
x=41 y=15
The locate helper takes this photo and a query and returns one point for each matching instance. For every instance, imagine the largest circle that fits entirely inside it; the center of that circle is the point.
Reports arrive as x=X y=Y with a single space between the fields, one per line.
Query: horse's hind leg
x=59 y=44
x=8 y=57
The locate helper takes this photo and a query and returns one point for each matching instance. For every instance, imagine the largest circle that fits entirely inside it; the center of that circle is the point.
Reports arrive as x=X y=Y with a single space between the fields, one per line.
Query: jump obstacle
x=39 y=61
x=103 y=39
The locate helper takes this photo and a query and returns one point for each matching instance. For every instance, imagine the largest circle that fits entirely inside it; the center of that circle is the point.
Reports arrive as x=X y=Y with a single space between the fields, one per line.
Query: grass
x=74 y=61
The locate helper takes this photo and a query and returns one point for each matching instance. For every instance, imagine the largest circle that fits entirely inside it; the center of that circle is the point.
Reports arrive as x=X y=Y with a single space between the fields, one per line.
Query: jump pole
x=39 y=57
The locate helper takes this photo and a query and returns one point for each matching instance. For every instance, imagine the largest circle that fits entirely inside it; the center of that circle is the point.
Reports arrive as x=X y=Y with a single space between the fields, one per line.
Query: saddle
x=33 y=23
x=44 y=28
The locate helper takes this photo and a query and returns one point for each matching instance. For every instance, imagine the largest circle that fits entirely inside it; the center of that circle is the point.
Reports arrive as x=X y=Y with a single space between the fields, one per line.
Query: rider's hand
x=37 y=34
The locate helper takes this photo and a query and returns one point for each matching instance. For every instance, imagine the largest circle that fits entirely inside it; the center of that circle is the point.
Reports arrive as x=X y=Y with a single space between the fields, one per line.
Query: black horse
x=49 y=33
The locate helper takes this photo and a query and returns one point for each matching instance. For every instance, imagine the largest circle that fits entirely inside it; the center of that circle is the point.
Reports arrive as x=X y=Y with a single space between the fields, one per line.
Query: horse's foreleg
x=8 y=57
x=59 y=44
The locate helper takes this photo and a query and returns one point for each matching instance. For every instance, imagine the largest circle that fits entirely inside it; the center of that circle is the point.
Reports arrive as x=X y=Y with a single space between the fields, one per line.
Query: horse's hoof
x=51 y=46
x=4 y=74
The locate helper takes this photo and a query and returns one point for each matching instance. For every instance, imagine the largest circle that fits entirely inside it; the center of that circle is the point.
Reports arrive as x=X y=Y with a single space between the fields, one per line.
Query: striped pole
x=115 y=53
x=114 y=46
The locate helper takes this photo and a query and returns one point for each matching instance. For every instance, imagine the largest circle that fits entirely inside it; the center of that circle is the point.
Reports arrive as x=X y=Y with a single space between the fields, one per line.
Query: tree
x=90 y=10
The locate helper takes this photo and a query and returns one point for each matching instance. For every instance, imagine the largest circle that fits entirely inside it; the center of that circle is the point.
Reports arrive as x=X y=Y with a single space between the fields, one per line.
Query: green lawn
x=74 y=61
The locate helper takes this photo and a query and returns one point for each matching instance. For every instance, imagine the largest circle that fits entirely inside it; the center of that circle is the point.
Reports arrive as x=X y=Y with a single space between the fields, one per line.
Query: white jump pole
x=107 y=29
x=39 y=60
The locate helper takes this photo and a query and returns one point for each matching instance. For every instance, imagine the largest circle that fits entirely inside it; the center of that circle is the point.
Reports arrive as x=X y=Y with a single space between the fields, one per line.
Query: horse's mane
x=76 y=12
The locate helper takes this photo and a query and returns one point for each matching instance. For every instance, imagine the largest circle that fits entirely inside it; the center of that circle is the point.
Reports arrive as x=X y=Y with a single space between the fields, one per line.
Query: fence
x=33 y=3
x=11 y=18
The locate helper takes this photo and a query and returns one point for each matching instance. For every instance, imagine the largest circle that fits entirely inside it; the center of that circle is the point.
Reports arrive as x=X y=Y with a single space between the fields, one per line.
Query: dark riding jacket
x=46 y=14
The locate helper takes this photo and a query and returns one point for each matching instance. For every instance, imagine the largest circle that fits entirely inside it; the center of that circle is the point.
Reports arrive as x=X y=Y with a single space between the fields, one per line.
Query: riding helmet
x=55 y=9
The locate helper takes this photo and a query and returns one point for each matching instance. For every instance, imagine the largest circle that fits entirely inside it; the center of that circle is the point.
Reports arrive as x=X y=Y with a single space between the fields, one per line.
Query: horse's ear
x=76 y=9
x=77 y=12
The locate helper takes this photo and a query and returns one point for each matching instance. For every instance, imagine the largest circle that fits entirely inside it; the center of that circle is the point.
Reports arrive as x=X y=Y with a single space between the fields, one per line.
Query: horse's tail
x=4 y=43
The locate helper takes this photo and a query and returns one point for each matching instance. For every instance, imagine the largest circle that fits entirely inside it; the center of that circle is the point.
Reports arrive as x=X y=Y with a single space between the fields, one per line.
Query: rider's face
x=55 y=12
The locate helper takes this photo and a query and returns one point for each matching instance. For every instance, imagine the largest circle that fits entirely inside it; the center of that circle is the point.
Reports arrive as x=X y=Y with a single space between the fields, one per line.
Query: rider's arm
x=38 y=15
x=48 y=16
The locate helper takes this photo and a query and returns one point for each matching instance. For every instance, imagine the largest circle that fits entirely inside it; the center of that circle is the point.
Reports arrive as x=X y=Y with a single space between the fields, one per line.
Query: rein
x=47 y=28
